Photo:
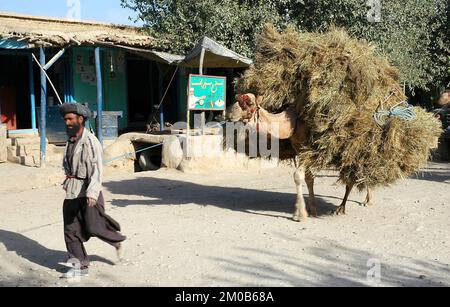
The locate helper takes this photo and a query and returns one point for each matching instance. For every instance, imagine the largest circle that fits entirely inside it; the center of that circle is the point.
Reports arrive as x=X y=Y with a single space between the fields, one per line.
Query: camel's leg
x=368 y=201
x=312 y=209
x=300 y=212
x=341 y=209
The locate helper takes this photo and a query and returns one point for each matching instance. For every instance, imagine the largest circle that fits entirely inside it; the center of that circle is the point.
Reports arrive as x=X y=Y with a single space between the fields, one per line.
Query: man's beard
x=73 y=130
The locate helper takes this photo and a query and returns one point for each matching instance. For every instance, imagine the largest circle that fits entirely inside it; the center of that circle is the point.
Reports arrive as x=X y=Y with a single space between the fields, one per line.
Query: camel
x=292 y=128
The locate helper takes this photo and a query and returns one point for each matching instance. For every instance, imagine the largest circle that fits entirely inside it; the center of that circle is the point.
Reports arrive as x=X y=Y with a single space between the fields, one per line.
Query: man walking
x=83 y=210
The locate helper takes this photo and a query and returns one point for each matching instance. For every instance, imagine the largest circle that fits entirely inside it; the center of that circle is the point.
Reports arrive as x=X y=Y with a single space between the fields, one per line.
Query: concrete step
x=11 y=134
x=12 y=153
x=26 y=150
x=26 y=141
x=31 y=161
x=14 y=159
x=31 y=157
x=34 y=160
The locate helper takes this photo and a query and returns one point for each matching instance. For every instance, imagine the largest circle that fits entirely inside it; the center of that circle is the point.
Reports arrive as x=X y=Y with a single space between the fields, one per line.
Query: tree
x=411 y=33
x=184 y=22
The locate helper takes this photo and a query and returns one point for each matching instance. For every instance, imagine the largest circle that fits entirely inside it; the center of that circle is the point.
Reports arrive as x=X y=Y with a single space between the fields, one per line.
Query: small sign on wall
x=207 y=93
x=79 y=58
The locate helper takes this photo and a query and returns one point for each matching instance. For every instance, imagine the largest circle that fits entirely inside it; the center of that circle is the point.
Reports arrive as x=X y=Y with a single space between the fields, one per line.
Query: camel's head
x=244 y=108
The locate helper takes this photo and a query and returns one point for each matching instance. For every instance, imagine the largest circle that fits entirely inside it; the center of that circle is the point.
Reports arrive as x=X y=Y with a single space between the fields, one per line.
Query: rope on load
x=402 y=110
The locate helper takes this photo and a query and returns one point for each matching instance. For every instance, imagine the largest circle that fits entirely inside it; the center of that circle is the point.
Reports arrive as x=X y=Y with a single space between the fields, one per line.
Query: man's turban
x=75 y=108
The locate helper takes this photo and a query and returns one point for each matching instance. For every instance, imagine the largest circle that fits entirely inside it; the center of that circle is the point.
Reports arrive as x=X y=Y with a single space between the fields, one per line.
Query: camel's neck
x=281 y=125
x=265 y=116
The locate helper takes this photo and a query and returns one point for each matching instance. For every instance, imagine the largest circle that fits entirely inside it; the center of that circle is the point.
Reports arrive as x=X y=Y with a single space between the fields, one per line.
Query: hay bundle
x=338 y=86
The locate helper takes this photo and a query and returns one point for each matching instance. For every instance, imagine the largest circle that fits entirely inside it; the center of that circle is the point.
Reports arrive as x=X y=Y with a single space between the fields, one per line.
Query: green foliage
x=183 y=22
x=411 y=33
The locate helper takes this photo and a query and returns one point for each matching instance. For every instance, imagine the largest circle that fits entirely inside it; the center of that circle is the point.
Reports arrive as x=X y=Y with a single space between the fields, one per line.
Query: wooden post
x=188 y=115
x=188 y=125
x=160 y=96
x=202 y=58
x=202 y=115
x=43 y=132
x=32 y=97
x=99 y=95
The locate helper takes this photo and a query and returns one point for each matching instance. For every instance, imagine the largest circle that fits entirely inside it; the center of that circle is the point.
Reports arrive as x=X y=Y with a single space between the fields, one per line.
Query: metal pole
x=48 y=78
x=99 y=95
x=202 y=114
x=188 y=113
x=160 y=94
x=43 y=109
x=66 y=85
x=54 y=59
x=188 y=127
x=161 y=117
x=202 y=59
x=32 y=96
x=71 y=84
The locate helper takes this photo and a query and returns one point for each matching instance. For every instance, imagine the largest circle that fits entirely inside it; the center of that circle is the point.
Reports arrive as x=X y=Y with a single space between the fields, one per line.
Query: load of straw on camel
x=350 y=100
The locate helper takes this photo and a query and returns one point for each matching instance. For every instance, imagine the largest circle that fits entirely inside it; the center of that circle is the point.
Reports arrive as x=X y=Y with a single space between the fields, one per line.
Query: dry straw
x=337 y=84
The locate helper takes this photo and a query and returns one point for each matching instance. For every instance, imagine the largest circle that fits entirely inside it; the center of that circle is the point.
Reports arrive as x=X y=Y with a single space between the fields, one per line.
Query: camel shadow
x=172 y=192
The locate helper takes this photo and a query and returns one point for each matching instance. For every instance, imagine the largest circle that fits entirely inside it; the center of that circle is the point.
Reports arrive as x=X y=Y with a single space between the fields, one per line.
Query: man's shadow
x=36 y=253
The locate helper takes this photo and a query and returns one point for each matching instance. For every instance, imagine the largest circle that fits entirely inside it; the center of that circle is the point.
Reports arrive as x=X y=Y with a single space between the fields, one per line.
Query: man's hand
x=91 y=202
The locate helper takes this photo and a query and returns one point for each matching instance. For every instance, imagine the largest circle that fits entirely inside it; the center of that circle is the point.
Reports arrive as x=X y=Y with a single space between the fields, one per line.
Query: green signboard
x=207 y=93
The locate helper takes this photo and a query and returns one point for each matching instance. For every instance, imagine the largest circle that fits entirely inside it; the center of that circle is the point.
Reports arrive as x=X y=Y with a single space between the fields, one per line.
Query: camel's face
x=244 y=109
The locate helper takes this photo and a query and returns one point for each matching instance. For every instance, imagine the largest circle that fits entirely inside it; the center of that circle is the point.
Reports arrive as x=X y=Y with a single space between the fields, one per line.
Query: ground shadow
x=38 y=254
x=438 y=172
x=329 y=264
x=172 y=192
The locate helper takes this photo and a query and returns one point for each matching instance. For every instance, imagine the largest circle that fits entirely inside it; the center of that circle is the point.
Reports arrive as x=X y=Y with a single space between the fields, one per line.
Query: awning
x=158 y=56
x=12 y=44
x=216 y=56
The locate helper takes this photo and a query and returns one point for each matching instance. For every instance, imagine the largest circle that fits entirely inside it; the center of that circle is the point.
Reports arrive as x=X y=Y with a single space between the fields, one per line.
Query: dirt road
x=232 y=229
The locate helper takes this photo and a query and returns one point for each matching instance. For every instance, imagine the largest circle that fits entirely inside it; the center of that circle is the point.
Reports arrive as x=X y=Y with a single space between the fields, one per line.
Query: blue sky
x=98 y=10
